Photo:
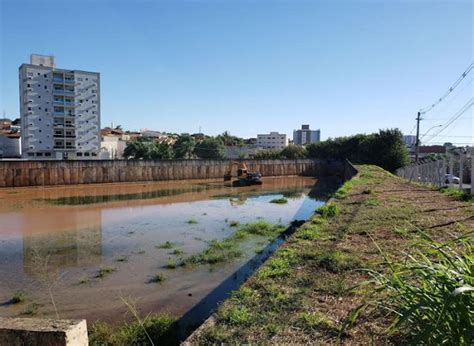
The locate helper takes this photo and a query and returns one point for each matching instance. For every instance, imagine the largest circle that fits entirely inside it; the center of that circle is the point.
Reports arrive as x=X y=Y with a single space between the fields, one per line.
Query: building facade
x=305 y=135
x=59 y=110
x=273 y=140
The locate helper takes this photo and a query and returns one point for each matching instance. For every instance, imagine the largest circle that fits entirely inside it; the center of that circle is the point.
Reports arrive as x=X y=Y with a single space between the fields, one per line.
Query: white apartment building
x=273 y=140
x=60 y=111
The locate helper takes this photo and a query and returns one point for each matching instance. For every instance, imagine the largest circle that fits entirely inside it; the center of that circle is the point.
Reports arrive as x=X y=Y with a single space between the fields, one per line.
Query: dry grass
x=307 y=289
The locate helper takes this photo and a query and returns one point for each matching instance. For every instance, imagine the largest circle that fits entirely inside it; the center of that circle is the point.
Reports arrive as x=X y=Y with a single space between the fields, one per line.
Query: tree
x=136 y=149
x=384 y=149
x=293 y=152
x=210 y=148
x=184 y=147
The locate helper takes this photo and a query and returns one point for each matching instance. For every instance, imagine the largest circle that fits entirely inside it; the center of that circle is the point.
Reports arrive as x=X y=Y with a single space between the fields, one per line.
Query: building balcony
x=64 y=103
x=58 y=80
x=63 y=92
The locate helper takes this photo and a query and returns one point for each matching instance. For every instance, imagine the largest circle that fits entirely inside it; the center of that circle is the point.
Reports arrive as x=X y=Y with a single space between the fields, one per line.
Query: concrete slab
x=37 y=331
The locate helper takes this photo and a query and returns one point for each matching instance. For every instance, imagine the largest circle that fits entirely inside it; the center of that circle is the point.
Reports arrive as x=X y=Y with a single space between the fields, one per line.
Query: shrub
x=430 y=294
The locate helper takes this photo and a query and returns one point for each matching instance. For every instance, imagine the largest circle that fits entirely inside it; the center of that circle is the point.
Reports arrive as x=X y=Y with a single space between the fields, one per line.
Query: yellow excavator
x=242 y=176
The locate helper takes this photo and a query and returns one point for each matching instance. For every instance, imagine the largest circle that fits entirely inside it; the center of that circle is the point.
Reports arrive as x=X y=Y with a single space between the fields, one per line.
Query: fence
x=456 y=170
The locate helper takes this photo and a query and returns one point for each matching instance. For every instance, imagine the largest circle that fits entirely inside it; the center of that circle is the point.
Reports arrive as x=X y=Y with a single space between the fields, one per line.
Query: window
x=47 y=154
x=39 y=85
x=29 y=108
x=31 y=154
x=46 y=87
x=45 y=75
x=28 y=85
x=39 y=154
x=46 y=109
x=39 y=96
x=86 y=154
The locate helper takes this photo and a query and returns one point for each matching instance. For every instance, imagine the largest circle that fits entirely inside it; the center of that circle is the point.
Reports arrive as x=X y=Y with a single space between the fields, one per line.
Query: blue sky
x=251 y=67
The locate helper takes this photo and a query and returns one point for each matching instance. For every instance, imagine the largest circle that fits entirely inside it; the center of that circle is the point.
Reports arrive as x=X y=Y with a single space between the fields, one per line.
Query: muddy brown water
x=60 y=237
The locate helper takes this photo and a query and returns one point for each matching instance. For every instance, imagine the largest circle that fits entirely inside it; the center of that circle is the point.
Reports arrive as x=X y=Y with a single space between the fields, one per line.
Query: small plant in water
x=104 y=271
x=158 y=278
x=281 y=200
x=122 y=259
x=84 y=280
x=177 y=252
x=166 y=245
x=192 y=222
x=18 y=297
x=171 y=264
x=234 y=223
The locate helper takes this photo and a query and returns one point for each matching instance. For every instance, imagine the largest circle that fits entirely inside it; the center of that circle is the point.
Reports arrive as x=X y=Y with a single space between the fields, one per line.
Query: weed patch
x=281 y=200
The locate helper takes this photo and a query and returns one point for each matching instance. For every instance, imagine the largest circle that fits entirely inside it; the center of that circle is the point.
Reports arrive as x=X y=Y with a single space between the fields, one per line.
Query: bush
x=384 y=149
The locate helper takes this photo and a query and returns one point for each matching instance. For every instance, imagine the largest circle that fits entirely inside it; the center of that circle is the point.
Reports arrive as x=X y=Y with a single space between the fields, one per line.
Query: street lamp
x=431 y=128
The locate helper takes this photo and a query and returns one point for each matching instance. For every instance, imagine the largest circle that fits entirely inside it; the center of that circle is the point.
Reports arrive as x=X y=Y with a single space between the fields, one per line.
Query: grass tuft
x=166 y=245
x=160 y=328
x=158 y=278
x=18 y=297
x=281 y=200
x=328 y=210
x=104 y=271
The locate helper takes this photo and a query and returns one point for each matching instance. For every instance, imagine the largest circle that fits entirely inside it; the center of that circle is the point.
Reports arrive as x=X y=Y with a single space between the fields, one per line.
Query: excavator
x=242 y=175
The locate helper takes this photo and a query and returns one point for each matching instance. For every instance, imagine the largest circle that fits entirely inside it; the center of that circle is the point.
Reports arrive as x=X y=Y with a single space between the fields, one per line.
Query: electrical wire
x=450 y=90
x=456 y=116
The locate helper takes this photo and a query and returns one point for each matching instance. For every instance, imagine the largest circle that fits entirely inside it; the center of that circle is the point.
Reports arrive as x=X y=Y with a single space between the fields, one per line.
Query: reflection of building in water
x=74 y=240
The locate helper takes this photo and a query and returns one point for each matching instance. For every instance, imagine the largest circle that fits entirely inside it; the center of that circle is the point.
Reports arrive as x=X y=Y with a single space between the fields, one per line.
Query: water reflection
x=74 y=248
x=79 y=229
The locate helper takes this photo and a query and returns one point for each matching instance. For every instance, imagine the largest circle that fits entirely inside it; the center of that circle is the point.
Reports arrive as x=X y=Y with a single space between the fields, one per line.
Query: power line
x=450 y=90
x=456 y=116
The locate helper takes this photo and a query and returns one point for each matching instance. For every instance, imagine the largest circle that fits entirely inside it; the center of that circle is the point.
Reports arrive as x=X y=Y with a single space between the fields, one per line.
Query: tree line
x=385 y=149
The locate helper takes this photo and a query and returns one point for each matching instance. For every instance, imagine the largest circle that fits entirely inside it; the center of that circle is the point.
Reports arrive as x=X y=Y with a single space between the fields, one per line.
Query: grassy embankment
x=384 y=261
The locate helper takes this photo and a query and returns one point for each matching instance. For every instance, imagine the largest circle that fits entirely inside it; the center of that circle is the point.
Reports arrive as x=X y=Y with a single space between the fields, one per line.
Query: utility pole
x=417 y=143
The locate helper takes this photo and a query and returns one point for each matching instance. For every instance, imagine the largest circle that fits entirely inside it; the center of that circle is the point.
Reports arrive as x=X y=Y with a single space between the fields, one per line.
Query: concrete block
x=36 y=332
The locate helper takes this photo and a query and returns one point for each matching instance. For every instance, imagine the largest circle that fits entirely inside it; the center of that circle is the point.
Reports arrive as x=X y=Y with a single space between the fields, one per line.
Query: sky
x=250 y=67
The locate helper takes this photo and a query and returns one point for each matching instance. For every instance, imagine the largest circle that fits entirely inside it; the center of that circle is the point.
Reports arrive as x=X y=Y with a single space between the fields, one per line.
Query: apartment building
x=273 y=140
x=305 y=135
x=60 y=111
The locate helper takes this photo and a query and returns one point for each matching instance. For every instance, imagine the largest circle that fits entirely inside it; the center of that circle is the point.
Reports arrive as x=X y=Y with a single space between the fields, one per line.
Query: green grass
x=455 y=193
x=315 y=320
x=158 y=278
x=166 y=245
x=160 y=328
x=18 y=297
x=104 y=271
x=328 y=210
x=171 y=264
x=430 y=294
x=177 y=252
x=281 y=200
x=229 y=248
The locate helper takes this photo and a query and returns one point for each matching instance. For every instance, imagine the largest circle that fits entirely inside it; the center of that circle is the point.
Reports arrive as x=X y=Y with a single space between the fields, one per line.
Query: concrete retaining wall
x=39 y=173
x=38 y=332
